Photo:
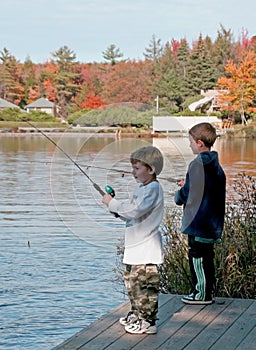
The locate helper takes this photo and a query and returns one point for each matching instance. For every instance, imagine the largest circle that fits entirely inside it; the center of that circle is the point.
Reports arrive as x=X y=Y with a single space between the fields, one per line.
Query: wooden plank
x=205 y=334
x=104 y=339
x=168 y=304
x=170 y=325
x=115 y=336
x=249 y=342
x=242 y=319
x=191 y=320
x=87 y=334
x=219 y=324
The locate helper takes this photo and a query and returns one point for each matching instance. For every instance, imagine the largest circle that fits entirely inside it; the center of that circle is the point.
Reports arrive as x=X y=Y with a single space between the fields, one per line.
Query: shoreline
x=248 y=131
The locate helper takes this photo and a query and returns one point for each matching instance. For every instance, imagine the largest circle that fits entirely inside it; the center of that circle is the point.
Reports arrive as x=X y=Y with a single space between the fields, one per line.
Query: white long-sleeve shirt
x=143 y=216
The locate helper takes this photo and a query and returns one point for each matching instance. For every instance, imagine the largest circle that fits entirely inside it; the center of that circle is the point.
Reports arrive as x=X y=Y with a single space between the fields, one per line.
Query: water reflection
x=237 y=155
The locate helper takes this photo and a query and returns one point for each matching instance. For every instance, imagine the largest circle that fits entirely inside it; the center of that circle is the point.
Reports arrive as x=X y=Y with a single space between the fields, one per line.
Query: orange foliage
x=128 y=82
x=33 y=94
x=47 y=75
x=50 y=68
x=49 y=90
x=92 y=102
x=239 y=88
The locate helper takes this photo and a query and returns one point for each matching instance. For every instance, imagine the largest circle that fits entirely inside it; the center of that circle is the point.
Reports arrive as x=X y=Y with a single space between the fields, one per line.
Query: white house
x=44 y=105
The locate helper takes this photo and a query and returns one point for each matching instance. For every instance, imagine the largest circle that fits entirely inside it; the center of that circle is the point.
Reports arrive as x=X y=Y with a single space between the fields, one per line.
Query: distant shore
x=240 y=131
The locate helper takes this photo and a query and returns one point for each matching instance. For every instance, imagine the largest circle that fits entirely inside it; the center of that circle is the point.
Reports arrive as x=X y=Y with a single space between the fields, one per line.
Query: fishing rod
x=108 y=189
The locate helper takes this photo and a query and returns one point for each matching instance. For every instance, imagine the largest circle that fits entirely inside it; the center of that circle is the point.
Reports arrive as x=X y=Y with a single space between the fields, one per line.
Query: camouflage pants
x=142 y=284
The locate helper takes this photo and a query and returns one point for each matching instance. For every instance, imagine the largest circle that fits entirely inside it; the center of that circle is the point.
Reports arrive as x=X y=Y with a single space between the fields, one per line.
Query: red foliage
x=92 y=102
x=175 y=46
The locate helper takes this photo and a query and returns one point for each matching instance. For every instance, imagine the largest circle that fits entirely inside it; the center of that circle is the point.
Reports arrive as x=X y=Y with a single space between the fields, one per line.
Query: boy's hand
x=181 y=182
x=106 y=198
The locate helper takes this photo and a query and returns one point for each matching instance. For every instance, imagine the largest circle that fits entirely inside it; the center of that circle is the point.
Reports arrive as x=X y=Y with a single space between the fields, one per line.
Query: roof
x=41 y=103
x=7 y=104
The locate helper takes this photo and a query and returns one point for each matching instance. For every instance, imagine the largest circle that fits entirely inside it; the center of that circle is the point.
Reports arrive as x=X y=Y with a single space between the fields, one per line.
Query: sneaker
x=141 y=326
x=129 y=318
x=192 y=300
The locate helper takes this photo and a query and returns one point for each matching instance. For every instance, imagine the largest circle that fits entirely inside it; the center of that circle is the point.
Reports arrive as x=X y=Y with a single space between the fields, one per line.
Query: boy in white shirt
x=143 y=242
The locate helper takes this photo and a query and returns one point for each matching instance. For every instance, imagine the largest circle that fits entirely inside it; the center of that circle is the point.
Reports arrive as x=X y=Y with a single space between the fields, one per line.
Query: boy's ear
x=152 y=170
x=200 y=143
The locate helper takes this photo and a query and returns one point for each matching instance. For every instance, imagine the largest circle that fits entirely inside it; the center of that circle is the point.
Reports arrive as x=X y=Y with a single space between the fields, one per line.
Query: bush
x=175 y=273
x=235 y=257
x=11 y=114
x=16 y=115
x=116 y=116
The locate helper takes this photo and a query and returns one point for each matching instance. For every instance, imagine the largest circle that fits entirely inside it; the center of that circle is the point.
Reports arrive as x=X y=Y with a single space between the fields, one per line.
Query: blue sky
x=37 y=28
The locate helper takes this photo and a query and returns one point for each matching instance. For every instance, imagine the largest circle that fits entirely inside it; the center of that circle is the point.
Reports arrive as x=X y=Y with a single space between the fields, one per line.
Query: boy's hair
x=149 y=156
x=204 y=132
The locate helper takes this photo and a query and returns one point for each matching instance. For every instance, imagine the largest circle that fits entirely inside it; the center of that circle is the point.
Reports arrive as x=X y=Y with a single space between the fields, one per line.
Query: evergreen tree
x=28 y=79
x=111 y=54
x=154 y=50
x=167 y=84
x=223 y=50
x=10 y=88
x=182 y=63
x=201 y=73
x=65 y=79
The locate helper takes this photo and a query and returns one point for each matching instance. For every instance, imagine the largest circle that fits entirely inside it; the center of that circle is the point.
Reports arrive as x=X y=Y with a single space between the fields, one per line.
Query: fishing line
x=96 y=186
x=122 y=172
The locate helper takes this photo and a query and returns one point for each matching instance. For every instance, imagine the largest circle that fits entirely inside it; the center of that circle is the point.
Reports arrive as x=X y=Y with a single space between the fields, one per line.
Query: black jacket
x=203 y=197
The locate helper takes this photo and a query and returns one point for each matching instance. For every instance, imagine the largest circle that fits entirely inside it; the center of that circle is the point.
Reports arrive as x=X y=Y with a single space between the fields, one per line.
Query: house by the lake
x=43 y=105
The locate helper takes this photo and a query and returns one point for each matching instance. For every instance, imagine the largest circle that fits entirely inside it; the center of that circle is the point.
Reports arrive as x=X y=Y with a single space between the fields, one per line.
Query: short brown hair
x=204 y=132
x=149 y=156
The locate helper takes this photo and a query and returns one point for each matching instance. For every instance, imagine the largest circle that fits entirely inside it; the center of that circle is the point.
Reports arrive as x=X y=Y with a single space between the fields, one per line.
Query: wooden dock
x=228 y=324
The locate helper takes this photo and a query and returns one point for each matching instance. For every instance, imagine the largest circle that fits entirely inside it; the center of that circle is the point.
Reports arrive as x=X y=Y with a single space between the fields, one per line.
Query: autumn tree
x=90 y=86
x=128 y=82
x=238 y=88
x=112 y=54
x=47 y=78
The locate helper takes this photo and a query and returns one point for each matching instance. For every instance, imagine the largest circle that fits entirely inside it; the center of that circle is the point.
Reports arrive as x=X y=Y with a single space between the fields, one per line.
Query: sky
x=36 y=29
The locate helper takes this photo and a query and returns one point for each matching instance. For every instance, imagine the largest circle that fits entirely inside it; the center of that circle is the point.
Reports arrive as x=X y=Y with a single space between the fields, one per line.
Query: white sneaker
x=140 y=327
x=129 y=318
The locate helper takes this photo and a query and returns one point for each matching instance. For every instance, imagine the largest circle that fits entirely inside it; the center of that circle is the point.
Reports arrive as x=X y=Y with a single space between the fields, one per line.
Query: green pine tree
x=65 y=79
x=10 y=89
x=112 y=54
x=201 y=72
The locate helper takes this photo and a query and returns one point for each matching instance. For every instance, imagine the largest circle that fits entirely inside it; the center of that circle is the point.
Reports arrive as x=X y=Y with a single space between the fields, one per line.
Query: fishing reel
x=110 y=191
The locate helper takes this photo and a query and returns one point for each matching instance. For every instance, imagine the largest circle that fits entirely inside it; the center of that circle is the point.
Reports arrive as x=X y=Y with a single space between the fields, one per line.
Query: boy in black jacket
x=202 y=194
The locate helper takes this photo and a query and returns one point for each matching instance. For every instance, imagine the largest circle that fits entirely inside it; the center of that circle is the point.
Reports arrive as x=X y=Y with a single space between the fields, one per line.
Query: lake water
x=58 y=242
